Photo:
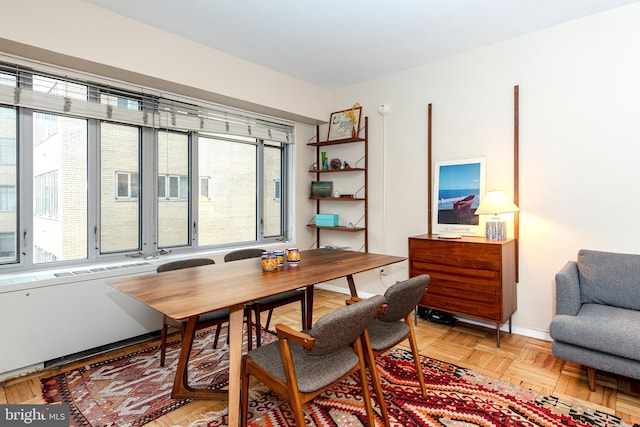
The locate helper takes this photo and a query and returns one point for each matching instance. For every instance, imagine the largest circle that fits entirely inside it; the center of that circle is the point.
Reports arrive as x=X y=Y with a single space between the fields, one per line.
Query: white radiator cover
x=55 y=317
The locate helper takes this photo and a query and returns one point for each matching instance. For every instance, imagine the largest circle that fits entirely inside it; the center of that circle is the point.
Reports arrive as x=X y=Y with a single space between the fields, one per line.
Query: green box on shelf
x=327 y=220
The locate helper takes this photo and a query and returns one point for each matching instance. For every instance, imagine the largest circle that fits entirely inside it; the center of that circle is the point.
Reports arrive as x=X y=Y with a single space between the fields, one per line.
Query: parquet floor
x=520 y=360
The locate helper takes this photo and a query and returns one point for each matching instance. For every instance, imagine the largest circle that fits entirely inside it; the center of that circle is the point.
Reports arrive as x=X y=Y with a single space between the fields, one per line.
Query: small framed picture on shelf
x=344 y=124
x=322 y=189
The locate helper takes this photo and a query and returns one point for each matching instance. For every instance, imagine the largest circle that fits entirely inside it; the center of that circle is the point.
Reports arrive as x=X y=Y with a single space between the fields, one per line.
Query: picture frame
x=344 y=124
x=322 y=189
x=458 y=186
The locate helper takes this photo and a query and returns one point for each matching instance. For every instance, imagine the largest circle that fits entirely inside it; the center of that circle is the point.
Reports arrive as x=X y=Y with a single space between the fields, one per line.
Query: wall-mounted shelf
x=362 y=192
x=337 y=170
x=338 y=228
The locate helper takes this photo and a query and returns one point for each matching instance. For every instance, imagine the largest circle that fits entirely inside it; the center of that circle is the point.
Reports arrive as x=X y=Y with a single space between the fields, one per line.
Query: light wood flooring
x=519 y=360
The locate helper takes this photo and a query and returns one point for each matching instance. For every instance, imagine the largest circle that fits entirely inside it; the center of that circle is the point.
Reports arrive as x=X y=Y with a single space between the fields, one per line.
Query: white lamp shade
x=495 y=202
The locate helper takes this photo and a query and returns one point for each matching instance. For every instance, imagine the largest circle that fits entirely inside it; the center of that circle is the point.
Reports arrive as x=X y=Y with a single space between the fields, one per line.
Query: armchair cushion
x=313 y=373
x=601 y=328
x=610 y=278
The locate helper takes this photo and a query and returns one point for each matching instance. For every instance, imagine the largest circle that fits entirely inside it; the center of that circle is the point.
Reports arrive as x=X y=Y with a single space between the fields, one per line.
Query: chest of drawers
x=470 y=276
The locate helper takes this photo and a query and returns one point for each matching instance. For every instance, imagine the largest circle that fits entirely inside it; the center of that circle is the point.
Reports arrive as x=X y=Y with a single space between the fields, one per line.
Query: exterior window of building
x=204 y=187
x=7 y=246
x=272 y=194
x=126 y=185
x=276 y=190
x=8 y=183
x=8 y=198
x=46 y=191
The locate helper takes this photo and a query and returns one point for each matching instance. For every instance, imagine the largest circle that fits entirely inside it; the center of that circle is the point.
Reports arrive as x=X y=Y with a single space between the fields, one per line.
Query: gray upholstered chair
x=267 y=303
x=396 y=323
x=214 y=318
x=300 y=366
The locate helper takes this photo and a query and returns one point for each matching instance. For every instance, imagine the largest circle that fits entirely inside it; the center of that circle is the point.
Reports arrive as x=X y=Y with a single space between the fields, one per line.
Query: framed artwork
x=458 y=186
x=343 y=124
x=321 y=189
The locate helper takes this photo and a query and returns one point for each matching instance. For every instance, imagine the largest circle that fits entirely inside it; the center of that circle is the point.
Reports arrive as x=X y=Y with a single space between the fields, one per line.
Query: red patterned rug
x=133 y=390
x=457 y=397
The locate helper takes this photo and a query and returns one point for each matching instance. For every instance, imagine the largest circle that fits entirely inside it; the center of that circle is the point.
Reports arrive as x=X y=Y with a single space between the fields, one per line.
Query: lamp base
x=496 y=229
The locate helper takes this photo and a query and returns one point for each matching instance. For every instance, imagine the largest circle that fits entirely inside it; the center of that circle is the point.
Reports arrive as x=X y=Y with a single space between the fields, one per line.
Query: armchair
x=598 y=313
x=396 y=324
x=300 y=366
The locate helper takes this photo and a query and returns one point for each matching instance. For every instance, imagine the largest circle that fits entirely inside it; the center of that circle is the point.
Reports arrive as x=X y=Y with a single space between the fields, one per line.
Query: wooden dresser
x=470 y=276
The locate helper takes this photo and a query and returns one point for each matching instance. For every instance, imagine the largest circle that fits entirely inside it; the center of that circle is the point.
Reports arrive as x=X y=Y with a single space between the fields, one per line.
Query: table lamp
x=494 y=203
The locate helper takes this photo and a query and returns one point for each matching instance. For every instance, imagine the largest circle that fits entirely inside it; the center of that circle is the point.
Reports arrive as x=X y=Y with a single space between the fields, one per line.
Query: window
x=173 y=209
x=7 y=246
x=276 y=190
x=110 y=173
x=46 y=186
x=60 y=169
x=126 y=185
x=8 y=198
x=120 y=207
x=8 y=182
x=232 y=166
x=204 y=187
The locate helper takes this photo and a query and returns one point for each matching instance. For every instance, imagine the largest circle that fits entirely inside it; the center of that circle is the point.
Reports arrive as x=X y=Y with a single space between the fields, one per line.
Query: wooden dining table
x=185 y=294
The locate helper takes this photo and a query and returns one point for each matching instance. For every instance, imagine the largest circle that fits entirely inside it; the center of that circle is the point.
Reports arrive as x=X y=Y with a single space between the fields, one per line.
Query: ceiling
x=337 y=43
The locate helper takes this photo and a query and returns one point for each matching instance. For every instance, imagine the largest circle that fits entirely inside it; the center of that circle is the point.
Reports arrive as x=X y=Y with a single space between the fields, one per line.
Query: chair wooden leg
x=375 y=378
x=416 y=356
x=244 y=393
x=247 y=315
x=303 y=309
x=364 y=384
x=256 y=310
x=266 y=326
x=163 y=341
x=215 y=339
x=591 y=376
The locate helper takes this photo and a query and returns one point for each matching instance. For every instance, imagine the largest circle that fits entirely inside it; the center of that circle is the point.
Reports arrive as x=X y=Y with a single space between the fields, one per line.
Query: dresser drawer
x=456 y=254
x=487 y=309
x=460 y=278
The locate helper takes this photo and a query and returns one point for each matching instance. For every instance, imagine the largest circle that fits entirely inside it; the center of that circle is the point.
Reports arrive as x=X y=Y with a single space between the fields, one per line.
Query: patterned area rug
x=133 y=390
x=457 y=397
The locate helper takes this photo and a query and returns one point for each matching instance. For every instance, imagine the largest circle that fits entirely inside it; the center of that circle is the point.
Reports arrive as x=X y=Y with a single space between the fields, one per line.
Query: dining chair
x=214 y=318
x=396 y=323
x=302 y=365
x=268 y=303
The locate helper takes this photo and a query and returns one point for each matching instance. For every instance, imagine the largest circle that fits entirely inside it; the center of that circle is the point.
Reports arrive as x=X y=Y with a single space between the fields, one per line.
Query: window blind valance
x=47 y=92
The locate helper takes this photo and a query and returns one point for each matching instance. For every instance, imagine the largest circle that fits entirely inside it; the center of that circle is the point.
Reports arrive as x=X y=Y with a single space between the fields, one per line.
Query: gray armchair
x=396 y=323
x=597 y=320
x=300 y=366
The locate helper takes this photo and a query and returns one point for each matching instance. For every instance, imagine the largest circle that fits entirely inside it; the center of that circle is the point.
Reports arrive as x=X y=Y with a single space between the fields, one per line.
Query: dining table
x=188 y=293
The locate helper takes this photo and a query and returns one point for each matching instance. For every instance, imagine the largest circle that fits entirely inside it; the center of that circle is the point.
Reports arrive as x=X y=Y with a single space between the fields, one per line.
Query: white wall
x=579 y=143
x=579 y=126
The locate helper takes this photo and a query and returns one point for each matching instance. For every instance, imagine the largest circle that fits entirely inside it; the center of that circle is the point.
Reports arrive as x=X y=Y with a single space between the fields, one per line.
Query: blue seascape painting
x=457 y=182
